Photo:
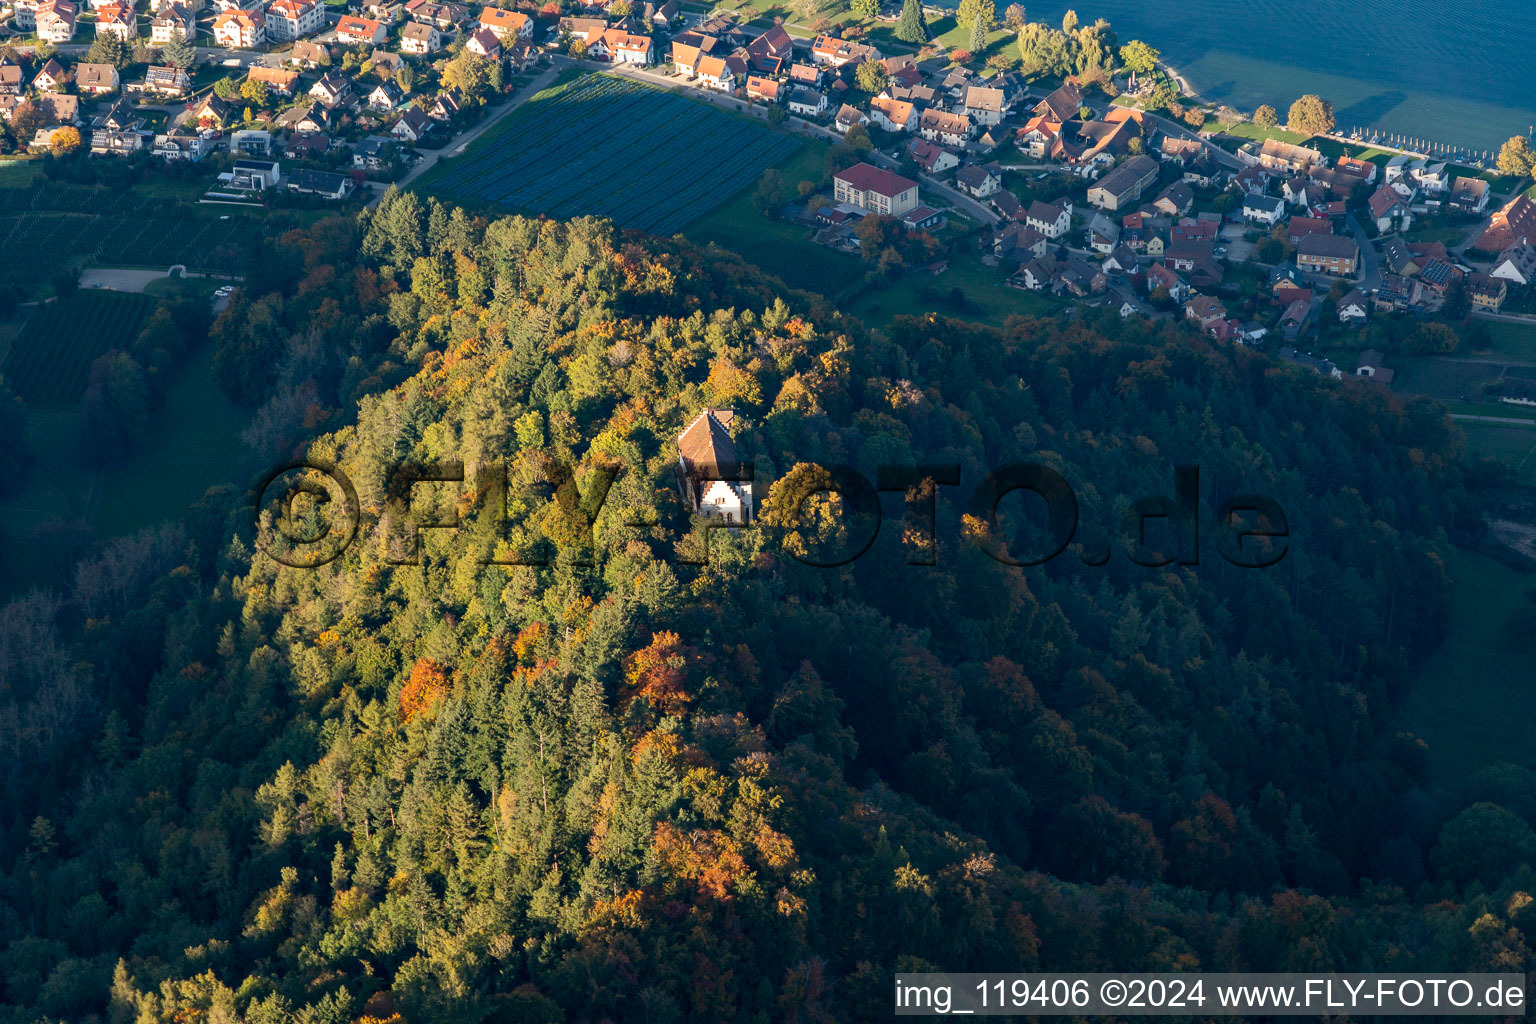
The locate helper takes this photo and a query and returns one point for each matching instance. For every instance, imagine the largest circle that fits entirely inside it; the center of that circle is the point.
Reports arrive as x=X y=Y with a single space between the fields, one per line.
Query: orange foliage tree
x=428 y=685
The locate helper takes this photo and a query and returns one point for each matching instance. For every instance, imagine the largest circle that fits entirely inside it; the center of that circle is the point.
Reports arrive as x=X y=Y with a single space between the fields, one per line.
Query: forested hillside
x=746 y=790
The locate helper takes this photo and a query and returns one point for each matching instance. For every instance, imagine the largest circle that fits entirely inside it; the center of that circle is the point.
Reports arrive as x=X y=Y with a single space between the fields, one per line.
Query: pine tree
x=912 y=26
x=179 y=52
x=979 y=28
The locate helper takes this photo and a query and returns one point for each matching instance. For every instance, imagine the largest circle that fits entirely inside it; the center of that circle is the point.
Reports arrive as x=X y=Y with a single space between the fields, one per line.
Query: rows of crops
x=646 y=158
x=50 y=361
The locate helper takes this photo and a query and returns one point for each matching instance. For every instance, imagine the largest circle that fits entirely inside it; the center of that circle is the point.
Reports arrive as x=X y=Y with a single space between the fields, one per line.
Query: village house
x=1354 y=308
x=483 y=43
x=932 y=159
x=623 y=47
x=310 y=118
x=308 y=55
x=211 y=112
x=1051 y=219
x=834 y=52
x=179 y=144
x=1487 y=292
x=874 y=189
x=51 y=78
x=1204 y=310
x=445 y=106
x=279 y=80
x=1371 y=366
x=717 y=73
x=170 y=22
x=709 y=476
x=240 y=30
x=412 y=125
x=354 y=31
x=848 y=118
x=508 y=25
x=96 y=79
x=251 y=142
x=165 y=81
x=1103 y=234
x=1040 y=138
x=1123 y=186
x=445 y=17
x=375 y=153
x=1019 y=242
x=1282 y=157
x=771 y=52
x=944 y=127
x=11 y=79
x=306 y=146
x=807 y=102
x=1295 y=319
x=1175 y=200
x=1469 y=195
x=765 y=90
x=1035 y=275
x=386 y=96
x=984 y=105
x=325 y=184
x=1262 y=209
x=1514 y=222
x=385 y=11
x=420 y=39
x=1316 y=364
x=116 y=133
x=1299 y=227
x=1080 y=278
x=56 y=22
x=1121 y=260
x=116 y=21
x=333 y=89
x=1062 y=105
x=979 y=182
x=891 y=115
x=1390 y=210
x=1517 y=264
x=1328 y=254
x=292 y=19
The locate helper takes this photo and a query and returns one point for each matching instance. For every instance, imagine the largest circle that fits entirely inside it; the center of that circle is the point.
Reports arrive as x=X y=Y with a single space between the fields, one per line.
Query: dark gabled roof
x=707 y=443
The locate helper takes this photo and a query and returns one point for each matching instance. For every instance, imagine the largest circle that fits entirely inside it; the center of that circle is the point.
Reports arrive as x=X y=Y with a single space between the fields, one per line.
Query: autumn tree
x=64 y=141
x=1015 y=17
x=872 y=77
x=1139 y=57
x=1516 y=158
x=1310 y=115
x=1266 y=116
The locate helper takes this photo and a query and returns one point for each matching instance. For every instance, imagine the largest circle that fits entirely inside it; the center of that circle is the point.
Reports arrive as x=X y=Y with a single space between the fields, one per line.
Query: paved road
x=1507 y=420
x=119 y=280
x=1508 y=318
x=430 y=159
x=1370 y=260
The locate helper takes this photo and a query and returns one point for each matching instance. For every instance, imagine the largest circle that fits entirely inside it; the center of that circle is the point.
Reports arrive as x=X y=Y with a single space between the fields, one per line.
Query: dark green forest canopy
x=746 y=790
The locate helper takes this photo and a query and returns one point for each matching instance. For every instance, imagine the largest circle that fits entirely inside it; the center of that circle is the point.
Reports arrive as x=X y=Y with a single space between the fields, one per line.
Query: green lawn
x=1515 y=342
x=985 y=297
x=1492 y=407
x=1247 y=130
x=1514 y=446
x=1445 y=379
x=1473 y=701
x=194 y=444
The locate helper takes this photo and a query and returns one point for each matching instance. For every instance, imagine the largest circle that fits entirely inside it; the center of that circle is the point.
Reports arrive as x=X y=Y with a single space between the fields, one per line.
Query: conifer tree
x=912 y=27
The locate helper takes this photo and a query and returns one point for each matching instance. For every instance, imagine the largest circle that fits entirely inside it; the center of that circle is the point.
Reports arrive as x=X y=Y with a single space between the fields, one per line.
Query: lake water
x=1452 y=72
